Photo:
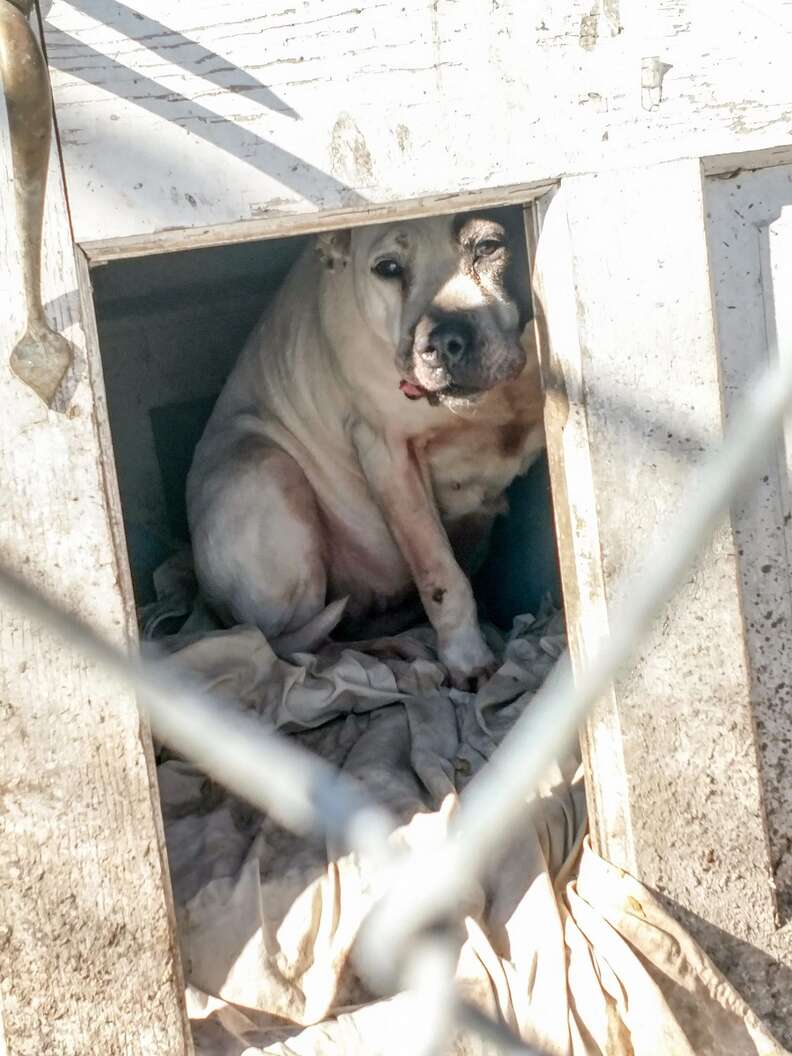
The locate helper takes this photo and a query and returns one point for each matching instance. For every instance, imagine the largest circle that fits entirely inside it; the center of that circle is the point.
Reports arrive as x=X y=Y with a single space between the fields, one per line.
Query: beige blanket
x=573 y=954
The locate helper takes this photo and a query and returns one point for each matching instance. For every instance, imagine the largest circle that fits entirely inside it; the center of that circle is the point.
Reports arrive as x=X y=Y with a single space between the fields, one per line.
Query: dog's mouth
x=413 y=391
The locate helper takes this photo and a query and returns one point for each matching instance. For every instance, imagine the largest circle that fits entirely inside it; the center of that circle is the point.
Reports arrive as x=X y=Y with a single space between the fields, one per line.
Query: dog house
x=649 y=148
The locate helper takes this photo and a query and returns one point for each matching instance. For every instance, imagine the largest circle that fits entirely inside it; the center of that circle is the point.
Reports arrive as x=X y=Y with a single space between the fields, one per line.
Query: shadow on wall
x=189 y=54
x=764 y=982
x=75 y=58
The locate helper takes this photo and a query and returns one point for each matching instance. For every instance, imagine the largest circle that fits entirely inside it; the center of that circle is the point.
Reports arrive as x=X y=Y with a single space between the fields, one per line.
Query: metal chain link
x=409 y=941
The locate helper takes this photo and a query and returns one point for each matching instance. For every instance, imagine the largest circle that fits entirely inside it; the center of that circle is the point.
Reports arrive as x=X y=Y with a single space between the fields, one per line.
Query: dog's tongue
x=412 y=392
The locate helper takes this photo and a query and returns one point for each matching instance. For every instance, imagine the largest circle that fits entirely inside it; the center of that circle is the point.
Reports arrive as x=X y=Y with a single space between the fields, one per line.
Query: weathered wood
x=575 y=512
x=633 y=370
x=88 y=958
x=204 y=115
x=170 y=240
x=750 y=239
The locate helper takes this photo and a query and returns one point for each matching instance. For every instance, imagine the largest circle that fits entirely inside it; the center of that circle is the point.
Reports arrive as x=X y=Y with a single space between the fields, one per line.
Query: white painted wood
x=209 y=115
x=633 y=372
x=173 y=239
x=88 y=959
x=575 y=512
x=750 y=236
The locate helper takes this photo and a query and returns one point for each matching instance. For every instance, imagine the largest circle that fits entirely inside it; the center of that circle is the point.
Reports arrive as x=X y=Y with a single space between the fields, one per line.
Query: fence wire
x=410 y=940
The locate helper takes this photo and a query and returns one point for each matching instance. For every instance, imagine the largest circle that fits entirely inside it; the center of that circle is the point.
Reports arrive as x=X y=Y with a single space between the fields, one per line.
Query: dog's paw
x=468 y=658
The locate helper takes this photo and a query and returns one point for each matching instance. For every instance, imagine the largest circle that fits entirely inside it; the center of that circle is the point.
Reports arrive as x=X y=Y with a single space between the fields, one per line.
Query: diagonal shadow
x=764 y=980
x=293 y=172
x=189 y=54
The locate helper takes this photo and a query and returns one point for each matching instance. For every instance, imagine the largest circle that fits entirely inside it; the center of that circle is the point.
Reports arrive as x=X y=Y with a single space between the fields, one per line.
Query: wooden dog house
x=650 y=147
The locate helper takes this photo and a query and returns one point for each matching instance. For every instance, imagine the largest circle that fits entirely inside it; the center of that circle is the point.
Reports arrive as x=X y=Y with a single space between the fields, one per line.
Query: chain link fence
x=409 y=939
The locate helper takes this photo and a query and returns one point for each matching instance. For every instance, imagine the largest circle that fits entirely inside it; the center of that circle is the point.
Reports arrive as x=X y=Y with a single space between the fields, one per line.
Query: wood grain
x=88 y=959
x=635 y=401
x=575 y=512
x=750 y=240
x=206 y=115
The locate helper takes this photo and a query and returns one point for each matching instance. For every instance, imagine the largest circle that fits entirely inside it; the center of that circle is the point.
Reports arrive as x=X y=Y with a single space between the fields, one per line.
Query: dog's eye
x=488 y=247
x=388 y=268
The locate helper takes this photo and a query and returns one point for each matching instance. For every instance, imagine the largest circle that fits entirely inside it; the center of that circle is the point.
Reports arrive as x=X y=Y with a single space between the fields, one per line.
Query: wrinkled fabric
x=574 y=955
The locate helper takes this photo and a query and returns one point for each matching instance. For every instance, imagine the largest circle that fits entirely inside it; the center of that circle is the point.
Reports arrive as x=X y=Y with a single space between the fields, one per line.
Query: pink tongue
x=412 y=392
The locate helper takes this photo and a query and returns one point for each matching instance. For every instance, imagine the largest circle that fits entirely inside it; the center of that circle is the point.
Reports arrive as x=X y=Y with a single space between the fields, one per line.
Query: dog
x=363 y=443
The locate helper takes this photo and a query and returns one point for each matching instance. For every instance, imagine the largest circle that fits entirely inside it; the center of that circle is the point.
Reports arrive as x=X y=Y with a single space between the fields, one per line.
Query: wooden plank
x=750 y=240
x=728 y=165
x=276 y=226
x=575 y=513
x=633 y=371
x=203 y=115
x=88 y=957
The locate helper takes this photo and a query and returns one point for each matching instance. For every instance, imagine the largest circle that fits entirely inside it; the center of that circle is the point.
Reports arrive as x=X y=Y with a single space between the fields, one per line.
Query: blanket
x=572 y=954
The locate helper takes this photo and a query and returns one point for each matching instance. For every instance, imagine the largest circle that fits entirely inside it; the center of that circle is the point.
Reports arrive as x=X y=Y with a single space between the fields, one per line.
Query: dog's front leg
x=394 y=473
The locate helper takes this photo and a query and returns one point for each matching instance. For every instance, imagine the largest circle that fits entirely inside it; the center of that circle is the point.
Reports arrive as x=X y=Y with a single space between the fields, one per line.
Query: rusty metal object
x=41 y=356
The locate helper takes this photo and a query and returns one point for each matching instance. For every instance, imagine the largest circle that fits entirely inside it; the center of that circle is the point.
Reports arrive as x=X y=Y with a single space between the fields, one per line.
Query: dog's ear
x=333 y=248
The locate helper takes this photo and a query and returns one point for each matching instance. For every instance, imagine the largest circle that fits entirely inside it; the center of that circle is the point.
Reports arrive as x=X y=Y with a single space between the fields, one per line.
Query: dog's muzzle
x=453 y=356
x=441 y=352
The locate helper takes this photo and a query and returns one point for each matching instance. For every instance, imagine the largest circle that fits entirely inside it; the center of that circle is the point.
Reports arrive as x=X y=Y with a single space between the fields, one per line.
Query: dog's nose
x=448 y=342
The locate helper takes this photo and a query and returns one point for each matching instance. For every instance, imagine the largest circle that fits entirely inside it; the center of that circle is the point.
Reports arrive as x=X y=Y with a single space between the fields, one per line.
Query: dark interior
x=170 y=328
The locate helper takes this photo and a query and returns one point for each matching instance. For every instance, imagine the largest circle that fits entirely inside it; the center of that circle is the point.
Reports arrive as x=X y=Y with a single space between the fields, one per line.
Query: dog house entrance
x=266 y=918
x=170 y=328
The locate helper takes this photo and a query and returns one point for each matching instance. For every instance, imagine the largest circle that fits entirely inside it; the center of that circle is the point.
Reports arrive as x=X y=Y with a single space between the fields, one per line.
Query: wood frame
x=106 y=250
x=88 y=956
x=634 y=399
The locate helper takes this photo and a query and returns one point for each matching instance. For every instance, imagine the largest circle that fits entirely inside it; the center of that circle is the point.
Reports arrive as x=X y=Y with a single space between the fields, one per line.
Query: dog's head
x=447 y=296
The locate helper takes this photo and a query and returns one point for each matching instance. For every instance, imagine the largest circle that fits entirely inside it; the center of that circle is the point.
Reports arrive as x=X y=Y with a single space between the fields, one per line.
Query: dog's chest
x=471 y=466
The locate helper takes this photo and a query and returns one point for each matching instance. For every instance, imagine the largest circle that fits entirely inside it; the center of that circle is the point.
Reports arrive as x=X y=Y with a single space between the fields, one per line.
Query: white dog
x=364 y=440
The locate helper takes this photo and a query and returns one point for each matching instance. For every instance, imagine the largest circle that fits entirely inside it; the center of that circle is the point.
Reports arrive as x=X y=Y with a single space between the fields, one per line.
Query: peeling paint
x=403 y=137
x=610 y=9
x=350 y=158
x=589 y=29
x=653 y=70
